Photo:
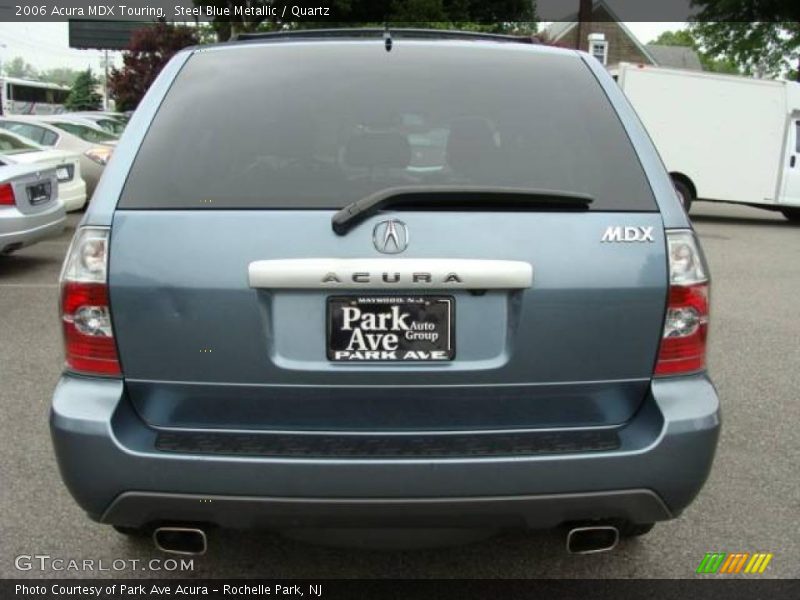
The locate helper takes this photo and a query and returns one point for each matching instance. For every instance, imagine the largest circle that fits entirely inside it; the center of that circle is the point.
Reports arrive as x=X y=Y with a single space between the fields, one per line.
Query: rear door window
x=319 y=125
x=49 y=138
x=32 y=132
x=797 y=136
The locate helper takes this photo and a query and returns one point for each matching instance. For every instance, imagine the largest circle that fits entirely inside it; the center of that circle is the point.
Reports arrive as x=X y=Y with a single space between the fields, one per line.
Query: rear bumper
x=18 y=229
x=242 y=512
x=73 y=194
x=110 y=463
x=90 y=172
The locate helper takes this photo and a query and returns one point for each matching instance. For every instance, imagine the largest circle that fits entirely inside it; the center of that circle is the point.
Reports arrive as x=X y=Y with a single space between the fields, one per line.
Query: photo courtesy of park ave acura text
x=383 y=298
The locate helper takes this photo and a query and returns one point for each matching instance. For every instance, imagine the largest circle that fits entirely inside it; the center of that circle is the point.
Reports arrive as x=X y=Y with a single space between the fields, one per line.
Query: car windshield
x=11 y=144
x=86 y=133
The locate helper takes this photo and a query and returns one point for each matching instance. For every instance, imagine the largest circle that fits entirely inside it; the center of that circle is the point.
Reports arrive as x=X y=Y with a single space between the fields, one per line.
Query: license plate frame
x=39 y=193
x=424 y=315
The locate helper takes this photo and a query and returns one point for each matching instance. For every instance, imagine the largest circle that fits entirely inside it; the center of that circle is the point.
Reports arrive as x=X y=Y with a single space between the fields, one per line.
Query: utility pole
x=105 y=80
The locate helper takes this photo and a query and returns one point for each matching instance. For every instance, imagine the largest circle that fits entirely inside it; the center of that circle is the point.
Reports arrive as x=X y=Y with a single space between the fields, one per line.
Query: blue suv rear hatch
x=237 y=304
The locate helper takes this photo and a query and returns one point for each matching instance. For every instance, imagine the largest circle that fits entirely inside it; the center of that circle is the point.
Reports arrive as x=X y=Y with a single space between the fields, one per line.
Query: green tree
x=17 y=67
x=680 y=37
x=150 y=49
x=83 y=95
x=60 y=75
x=761 y=37
x=686 y=37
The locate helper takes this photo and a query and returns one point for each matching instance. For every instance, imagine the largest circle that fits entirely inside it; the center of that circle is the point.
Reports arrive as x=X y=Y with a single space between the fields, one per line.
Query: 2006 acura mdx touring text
x=432 y=280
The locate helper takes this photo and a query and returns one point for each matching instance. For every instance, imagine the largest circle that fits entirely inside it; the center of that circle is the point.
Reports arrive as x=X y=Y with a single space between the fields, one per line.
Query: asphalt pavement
x=751 y=502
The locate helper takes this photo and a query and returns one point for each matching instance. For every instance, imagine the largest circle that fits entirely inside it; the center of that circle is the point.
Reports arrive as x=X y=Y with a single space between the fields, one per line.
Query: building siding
x=621 y=48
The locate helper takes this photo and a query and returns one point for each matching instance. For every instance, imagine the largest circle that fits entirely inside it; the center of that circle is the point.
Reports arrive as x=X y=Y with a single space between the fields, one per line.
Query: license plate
x=62 y=173
x=39 y=193
x=390 y=328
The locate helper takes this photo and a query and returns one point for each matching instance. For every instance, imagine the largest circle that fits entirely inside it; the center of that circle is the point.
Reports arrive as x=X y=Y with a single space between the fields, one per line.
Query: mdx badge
x=628 y=234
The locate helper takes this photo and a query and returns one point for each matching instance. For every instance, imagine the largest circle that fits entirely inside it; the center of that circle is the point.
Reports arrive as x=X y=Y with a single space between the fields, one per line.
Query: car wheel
x=793 y=214
x=629 y=530
x=684 y=194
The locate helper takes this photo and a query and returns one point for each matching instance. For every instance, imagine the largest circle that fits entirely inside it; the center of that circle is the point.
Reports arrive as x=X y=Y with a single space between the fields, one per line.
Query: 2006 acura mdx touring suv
x=432 y=280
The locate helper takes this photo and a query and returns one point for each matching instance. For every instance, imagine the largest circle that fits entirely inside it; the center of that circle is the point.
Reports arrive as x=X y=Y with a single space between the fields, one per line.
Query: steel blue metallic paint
x=202 y=350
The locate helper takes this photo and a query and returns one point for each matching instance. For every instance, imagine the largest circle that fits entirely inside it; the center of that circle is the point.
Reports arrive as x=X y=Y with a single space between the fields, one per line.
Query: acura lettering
x=363 y=277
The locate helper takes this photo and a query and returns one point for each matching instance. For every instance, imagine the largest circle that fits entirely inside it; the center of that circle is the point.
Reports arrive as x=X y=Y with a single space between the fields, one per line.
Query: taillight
x=7 y=195
x=99 y=154
x=683 y=345
x=85 y=313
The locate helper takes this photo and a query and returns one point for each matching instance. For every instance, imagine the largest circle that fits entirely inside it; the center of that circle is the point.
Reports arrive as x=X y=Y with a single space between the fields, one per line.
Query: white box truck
x=723 y=138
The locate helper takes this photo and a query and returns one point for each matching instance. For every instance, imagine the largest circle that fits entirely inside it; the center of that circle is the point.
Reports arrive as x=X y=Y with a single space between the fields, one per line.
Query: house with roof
x=611 y=42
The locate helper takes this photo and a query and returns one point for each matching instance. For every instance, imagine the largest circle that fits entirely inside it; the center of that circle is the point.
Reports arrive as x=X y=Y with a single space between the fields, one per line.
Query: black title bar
x=378 y=11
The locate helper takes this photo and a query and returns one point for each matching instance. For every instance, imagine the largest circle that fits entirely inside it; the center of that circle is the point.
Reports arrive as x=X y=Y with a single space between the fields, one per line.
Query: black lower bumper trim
x=387 y=446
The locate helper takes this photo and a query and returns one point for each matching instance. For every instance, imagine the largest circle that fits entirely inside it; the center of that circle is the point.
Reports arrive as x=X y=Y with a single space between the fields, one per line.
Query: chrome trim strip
x=389 y=273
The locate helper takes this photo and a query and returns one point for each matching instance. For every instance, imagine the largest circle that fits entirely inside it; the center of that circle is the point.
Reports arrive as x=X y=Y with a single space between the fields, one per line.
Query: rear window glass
x=29 y=131
x=111 y=125
x=320 y=125
x=87 y=134
x=10 y=144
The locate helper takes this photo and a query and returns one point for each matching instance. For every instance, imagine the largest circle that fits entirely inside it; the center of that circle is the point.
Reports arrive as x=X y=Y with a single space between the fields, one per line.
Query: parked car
x=15 y=149
x=93 y=145
x=29 y=206
x=737 y=140
x=109 y=122
x=279 y=320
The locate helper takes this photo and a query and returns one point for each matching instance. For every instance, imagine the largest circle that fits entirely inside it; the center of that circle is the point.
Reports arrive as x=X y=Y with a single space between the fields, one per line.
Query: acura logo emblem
x=390 y=237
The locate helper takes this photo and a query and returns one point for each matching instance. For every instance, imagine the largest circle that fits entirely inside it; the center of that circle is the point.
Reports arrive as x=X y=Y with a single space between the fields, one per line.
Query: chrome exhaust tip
x=592 y=539
x=187 y=541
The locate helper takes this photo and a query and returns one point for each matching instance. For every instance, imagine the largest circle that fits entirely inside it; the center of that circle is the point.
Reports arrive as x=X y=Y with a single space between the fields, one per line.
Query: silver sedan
x=29 y=206
x=92 y=144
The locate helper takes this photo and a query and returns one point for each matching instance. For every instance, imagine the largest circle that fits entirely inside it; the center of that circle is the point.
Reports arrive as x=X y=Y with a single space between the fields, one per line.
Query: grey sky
x=45 y=46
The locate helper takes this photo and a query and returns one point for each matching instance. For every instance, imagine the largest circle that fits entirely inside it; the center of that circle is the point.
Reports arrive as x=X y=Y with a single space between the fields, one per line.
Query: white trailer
x=23 y=97
x=723 y=138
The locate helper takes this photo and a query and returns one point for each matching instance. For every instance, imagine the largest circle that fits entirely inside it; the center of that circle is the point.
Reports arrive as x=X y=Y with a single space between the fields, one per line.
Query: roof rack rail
x=378 y=33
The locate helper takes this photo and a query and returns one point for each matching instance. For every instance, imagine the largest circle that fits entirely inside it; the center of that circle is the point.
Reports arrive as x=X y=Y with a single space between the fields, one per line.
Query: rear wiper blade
x=457 y=197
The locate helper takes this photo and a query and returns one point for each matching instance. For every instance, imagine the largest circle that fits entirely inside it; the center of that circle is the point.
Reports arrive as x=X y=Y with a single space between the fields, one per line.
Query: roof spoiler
x=378 y=33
